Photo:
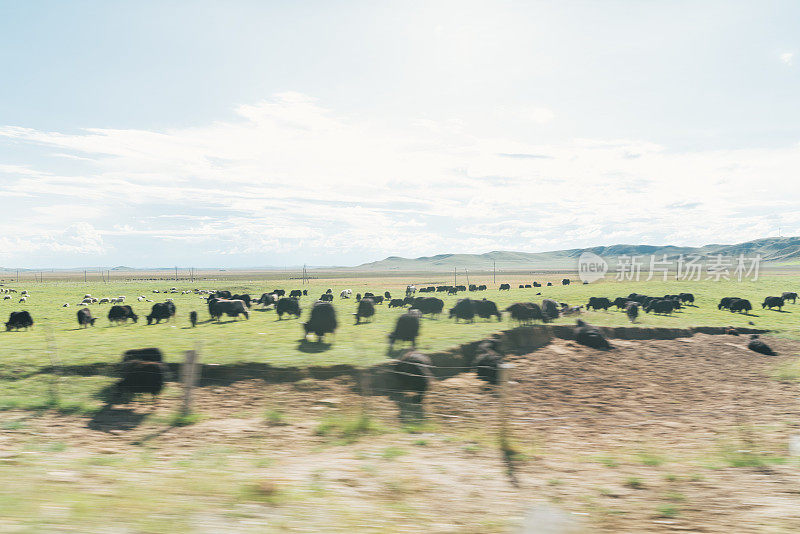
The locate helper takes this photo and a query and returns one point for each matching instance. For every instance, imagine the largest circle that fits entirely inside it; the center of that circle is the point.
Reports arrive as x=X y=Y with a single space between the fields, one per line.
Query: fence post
x=188 y=379
x=507 y=449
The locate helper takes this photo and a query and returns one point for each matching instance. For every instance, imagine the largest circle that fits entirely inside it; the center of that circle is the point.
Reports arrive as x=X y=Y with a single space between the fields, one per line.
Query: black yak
x=20 y=319
x=759 y=346
x=591 y=336
x=525 y=312
x=406 y=328
x=365 y=309
x=85 y=317
x=121 y=314
x=289 y=306
x=166 y=310
x=773 y=302
x=322 y=320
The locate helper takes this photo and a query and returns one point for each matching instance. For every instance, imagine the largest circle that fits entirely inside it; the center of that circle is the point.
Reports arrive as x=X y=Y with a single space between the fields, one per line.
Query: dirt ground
x=689 y=435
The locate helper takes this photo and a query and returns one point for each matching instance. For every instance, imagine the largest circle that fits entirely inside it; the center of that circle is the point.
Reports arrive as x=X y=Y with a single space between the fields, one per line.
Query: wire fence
x=516 y=405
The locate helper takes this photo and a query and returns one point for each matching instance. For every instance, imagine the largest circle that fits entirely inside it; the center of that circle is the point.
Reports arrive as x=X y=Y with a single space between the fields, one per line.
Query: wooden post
x=188 y=379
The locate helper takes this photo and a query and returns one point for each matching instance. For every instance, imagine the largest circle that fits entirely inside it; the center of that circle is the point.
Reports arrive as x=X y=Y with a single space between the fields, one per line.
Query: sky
x=253 y=134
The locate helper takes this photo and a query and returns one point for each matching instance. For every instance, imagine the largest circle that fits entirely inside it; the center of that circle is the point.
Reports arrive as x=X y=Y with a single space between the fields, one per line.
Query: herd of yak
x=143 y=370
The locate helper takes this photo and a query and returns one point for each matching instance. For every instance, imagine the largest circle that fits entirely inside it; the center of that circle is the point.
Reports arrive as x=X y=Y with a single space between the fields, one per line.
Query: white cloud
x=787 y=58
x=288 y=176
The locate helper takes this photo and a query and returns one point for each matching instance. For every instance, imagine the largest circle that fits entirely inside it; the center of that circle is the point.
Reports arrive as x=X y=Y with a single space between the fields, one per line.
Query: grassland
x=27 y=357
x=69 y=460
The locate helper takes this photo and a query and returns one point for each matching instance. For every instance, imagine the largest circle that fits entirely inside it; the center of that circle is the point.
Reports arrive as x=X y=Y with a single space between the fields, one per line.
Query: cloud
x=787 y=58
x=287 y=178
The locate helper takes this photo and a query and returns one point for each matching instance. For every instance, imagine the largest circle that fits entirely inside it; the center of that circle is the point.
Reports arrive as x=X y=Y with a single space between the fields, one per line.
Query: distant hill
x=771 y=249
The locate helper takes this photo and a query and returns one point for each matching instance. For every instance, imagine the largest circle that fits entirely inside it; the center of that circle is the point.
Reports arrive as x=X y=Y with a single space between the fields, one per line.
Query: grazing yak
x=267 y=299
x=387 y=295
x=464 y=309
x=505 y=287
x=142 y=376
x=632 y=311
x=20 y=319
x=412 y=373
x=550 y=309
x=725 y=302
x=406 y=328
x=789 y=295
x=166 y=310
x=487 y=361
x=486 y=309
x=549 y=284
x=591 y=336
x=521 y=286
x=232 y=308
x=365 y=309
x=660 y=306
x=85 y=318
x=121 y=314
x=279 y=292
x=741 y=306
x=296 y=293
x=305 y=292
x=428 y=305
x=773 y=302
x=321 y=321
x=686 y=298
x=525 y=312
x=193 y=318
x=345 y=293
x=473 y=287
x=377 y=299
x=222 y=294
x=759 y=346
x=565 y=282
x=358 y=297
x=289 y=306
x=482 y=287
x=598 y=303
x=326 y=297
x=397 y=303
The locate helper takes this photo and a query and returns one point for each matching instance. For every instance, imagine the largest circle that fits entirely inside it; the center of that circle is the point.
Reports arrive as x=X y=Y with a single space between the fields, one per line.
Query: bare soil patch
x=685 y=435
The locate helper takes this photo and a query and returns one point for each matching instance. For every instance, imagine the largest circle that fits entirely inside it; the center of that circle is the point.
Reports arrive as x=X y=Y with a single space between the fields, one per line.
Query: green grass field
x=26 y=355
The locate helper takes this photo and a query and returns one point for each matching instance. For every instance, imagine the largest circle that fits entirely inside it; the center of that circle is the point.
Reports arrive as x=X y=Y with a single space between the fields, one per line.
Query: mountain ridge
x=771 y=249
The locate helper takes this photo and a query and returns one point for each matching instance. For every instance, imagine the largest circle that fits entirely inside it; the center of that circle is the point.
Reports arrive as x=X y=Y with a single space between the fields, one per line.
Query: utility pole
x=494 y=272
x=17 y=275
x=84 y=276
x=176 y=273
x=455 y=277
x=466 y=272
